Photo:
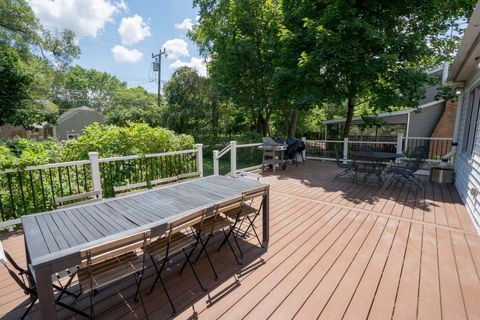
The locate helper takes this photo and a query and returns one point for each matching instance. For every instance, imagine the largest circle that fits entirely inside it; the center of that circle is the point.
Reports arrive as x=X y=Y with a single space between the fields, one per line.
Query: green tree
x=242 y=40
x=87 y=87
x=192 y=104
x=30 y=59
x=375 y=51
x=134 y=105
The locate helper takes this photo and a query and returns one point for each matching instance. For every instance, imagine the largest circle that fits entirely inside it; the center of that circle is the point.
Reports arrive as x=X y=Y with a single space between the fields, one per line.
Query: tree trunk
x=262 y=125
x=348 y=121
x=292 y=126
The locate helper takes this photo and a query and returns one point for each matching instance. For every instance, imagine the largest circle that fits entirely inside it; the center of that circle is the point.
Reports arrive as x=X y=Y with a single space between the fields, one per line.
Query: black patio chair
x=26 y=281
x=405 y=173
x=347 y=168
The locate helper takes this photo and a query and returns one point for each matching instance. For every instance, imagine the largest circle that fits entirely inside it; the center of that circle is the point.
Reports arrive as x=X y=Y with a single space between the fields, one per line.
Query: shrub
x=136 y=138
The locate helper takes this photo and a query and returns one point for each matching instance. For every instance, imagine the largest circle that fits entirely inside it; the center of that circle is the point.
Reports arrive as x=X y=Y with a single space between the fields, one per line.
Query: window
x=471 y=121
x=72 y=135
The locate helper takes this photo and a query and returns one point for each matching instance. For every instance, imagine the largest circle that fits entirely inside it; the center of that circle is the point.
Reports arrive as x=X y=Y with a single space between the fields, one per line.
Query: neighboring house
x=72 y=123
x=464 y=74
x=415 y=122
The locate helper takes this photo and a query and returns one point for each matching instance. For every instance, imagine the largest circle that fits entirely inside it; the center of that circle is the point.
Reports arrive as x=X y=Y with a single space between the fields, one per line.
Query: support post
x=215 y=162
x=304 y=152
x=199 y=148
x=345 y=150
x=399 y=145
x=233 y=158
x=96 y=181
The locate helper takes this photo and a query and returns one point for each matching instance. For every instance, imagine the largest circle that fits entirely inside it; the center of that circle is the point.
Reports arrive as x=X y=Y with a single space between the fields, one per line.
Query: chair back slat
x=184 y=222
x=114 y=248
x=255 y=193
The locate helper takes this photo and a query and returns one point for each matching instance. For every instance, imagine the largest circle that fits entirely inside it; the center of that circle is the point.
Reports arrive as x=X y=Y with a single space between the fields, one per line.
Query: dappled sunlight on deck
x=336 y=249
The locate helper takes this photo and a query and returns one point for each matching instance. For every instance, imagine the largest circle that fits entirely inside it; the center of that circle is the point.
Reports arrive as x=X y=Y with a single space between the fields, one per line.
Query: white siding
x=467 y=167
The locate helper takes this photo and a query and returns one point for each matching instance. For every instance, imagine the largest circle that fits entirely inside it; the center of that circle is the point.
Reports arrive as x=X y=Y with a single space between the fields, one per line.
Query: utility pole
x=157 y=66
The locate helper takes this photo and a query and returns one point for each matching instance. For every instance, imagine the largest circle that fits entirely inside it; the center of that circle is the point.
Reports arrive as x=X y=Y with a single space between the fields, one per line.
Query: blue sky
x=120 y=36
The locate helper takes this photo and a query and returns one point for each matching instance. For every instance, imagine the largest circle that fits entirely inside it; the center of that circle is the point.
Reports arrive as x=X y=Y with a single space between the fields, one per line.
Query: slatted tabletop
x=55 y=239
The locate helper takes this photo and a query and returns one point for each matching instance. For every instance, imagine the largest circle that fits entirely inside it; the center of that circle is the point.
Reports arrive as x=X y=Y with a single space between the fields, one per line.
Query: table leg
x=266 y=219
x=45 y=292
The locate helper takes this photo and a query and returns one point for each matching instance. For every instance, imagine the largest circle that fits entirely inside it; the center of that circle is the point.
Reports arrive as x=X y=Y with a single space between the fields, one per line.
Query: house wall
x=397 y=119
x=423 y=123
x=76 y=123
x=467 y=167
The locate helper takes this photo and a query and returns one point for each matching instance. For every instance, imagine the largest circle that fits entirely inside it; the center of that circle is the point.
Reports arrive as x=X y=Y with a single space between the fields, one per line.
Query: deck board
x=337 y=250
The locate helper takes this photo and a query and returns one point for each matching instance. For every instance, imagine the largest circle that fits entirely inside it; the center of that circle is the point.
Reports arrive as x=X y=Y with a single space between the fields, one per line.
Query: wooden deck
x=337 y=250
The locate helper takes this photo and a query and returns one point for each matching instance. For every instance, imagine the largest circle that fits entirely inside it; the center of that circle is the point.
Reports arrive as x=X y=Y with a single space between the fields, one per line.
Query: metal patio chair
x=347 y=168
x=26 y=281
x=177 y=240
x=406 y=173
x=107 y=264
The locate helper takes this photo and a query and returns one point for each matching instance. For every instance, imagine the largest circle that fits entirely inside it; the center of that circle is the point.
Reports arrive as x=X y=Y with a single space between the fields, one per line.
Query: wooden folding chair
x=213 y=223
x=106 y=264
x=247 y=213
x=175 y=241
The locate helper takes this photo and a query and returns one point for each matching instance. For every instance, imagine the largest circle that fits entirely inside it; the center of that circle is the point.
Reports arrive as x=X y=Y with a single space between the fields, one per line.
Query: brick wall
x=444 y=128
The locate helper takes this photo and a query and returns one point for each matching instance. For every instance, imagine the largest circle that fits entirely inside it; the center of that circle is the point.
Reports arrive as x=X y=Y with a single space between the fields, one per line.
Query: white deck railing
x=44 y=187
x=243 y=157
x=326 y=149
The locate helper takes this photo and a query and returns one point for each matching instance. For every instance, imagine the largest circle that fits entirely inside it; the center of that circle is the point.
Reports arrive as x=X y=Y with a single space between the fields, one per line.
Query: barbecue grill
x=273 y=153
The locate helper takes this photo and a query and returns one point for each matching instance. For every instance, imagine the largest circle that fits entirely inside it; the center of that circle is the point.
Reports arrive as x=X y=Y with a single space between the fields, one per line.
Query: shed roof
x=68 y=114
x=387 y=114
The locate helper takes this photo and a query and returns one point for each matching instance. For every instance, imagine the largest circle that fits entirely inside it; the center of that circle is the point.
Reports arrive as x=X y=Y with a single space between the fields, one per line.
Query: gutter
x=460 y=85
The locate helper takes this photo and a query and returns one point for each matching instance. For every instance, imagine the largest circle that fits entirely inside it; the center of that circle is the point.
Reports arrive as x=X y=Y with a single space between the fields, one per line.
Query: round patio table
x=373 y=163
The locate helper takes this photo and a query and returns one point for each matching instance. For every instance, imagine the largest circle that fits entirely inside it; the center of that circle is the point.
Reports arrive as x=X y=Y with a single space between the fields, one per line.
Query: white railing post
x=233 y=158
x=304 y=152
x=215 y=162
x=399 y=145
x=345 y=150
x=96 y=181
x=199 y=148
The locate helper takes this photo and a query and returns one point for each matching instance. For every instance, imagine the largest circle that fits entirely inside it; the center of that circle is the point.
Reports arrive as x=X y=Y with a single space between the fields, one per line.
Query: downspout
x=458 y=114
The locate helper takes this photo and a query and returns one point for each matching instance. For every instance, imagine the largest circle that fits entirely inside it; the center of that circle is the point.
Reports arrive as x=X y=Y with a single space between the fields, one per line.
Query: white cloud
x=176 y=48
x=187 y=24
x=124 y=55
x=196 y=63
x=84 y=17
x=133 y=30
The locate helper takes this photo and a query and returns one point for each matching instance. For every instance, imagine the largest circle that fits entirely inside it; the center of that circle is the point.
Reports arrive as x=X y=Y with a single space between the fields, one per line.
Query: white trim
x=136 y=156
x=248 y=145
x=387 y=114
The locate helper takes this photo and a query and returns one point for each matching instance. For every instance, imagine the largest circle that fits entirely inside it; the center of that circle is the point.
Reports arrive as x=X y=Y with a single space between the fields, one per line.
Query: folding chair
x=26 y=281
x=107 y=264
x=212 y=224
x=174 y=242
x=247 y=212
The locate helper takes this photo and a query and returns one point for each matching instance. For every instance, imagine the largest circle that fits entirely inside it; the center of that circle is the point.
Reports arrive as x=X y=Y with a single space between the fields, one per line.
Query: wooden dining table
x=54 y=239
